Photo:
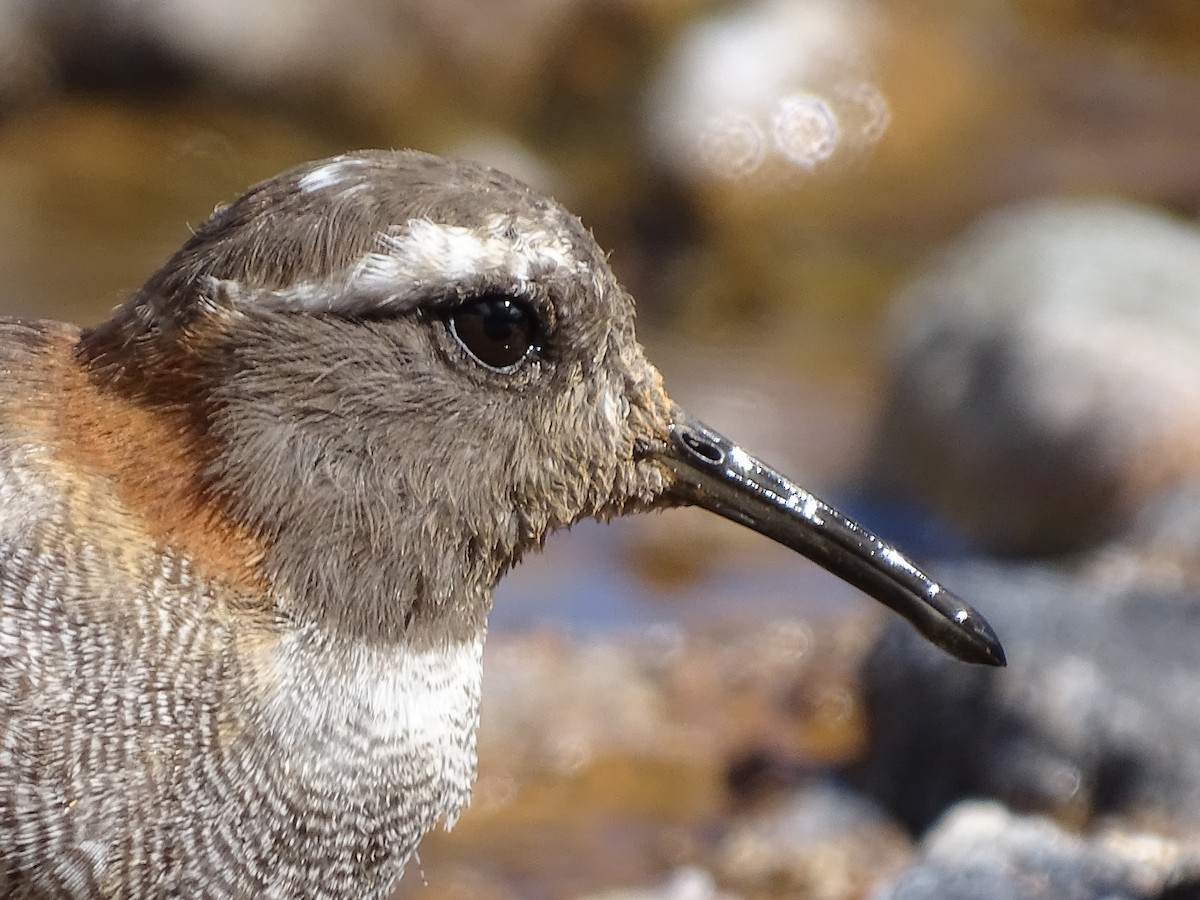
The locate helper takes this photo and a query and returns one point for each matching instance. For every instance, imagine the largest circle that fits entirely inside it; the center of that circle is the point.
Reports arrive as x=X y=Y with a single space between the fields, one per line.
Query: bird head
x=405 y=372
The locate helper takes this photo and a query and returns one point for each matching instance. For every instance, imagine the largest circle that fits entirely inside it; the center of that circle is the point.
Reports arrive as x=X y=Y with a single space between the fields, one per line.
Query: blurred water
x=585 y=583
x=588 y=581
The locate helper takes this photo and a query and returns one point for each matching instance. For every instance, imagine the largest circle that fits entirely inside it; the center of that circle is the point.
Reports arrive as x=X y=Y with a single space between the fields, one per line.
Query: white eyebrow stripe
x=422 y=251
x=445 y=252
x=328 y=175
x=411 y=258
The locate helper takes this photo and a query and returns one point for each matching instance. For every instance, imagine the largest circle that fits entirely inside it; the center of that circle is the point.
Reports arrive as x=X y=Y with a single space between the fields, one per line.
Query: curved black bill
x=718 y=475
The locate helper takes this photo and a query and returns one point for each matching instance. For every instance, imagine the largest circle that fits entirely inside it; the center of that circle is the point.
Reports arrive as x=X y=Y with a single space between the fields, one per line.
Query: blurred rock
x=251 y=46
x=358 y=63
x=666 y=695
x=1162 y=541
x=605 y=760
x=824 y=842
x=980 y=851
x=1095 y=716
x=1046 y=373
x=684 y=884
x=25 y=67
x=1170 y=27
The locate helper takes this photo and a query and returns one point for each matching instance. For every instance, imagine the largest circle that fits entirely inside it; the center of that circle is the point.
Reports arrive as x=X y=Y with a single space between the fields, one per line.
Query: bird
x=251 y=524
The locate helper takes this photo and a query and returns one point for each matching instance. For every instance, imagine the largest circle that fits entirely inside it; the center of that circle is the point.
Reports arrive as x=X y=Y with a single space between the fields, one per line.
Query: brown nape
x=152 y=448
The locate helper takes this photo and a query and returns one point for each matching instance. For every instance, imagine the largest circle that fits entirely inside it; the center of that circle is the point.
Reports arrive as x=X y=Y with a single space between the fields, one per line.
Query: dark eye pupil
x=495 y=329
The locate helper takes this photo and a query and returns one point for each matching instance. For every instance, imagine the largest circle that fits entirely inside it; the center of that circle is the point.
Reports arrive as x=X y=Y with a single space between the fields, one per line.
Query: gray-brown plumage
x=250 y=527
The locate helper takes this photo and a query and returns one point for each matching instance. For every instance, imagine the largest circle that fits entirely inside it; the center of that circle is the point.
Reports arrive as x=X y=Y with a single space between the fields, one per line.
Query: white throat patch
x=341 y=709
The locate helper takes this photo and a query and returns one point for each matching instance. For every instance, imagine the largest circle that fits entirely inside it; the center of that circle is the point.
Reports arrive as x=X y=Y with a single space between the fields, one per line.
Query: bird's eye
x=497 y=330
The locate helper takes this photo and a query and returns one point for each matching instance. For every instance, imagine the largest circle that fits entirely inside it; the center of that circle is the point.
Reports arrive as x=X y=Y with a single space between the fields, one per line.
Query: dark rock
x=1095 y=715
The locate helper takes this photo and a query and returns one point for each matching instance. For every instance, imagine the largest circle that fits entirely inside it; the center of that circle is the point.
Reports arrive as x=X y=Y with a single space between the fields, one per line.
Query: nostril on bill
x=706 y=450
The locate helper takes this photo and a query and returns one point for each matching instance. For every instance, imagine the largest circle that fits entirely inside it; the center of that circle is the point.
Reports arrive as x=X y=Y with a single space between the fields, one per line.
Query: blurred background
x=937 y=260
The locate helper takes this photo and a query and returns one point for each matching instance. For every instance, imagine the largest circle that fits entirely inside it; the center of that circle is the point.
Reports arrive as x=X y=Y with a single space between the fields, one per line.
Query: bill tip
x=982 y=646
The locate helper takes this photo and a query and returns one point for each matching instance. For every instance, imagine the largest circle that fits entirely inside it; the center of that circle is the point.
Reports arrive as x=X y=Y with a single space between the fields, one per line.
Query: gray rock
x=981 y=851
x=1046 y=375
